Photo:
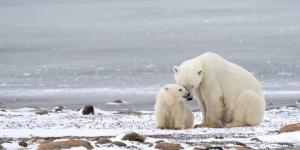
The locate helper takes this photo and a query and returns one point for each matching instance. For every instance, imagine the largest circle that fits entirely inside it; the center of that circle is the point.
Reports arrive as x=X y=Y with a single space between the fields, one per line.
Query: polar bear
x=227 y=94
x=171 y=110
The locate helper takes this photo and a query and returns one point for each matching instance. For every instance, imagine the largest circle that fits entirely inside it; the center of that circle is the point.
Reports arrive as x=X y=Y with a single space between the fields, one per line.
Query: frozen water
x=74 y=52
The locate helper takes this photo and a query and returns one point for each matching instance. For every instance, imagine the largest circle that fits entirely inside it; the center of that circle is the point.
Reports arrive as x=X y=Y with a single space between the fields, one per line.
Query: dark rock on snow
x=118 y=143
x=59 y=108
x=119 y=101
x=168 y=146
x=103 y=141
x=132 y=136
x=88 y=109
x=65 y=145
x=23 y=143
x=44 y=112
x=129 y=112
x=290 y=128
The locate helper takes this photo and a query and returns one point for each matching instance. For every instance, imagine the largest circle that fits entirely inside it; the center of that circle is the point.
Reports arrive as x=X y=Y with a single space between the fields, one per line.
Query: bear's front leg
x=214 y=113
x=160 y=120
x=202 y=106
x=179 y=117
x=161 y=124
x=203 y=110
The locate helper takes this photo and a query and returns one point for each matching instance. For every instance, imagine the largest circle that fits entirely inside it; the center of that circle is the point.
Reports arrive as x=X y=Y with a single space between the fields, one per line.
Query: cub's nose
x=186 y=95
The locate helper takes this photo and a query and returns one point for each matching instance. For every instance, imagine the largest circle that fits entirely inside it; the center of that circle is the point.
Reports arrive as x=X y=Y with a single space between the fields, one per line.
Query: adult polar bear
x=228 y=95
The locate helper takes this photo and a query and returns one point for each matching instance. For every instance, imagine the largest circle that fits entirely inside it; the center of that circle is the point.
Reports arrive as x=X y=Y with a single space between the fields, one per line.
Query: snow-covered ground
x=22 y=123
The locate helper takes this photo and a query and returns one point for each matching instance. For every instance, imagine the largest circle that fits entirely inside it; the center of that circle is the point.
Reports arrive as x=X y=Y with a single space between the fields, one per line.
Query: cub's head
x=174 y=93
x=188 y=75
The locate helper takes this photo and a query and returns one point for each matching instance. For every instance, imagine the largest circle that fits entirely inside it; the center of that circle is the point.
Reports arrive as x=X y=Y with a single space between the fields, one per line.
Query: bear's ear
x=166 y=88
x=199 y=72
x=175 y=69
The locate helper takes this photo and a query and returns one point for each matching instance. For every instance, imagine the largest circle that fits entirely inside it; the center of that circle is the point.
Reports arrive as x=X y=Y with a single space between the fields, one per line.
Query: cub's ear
x=199 y=72
x=166 y=88
x=175 y=69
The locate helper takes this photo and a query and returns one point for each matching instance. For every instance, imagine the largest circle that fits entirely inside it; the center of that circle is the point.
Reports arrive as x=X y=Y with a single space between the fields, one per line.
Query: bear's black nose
x=189 y=94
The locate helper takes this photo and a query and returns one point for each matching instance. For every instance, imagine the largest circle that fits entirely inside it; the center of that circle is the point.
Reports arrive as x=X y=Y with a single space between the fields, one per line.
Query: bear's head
x=188 y=75
x=174 y=93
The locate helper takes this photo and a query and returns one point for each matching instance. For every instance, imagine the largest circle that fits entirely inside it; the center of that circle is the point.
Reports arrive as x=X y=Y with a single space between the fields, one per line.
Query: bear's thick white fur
x=228 y=95
x=171 y=110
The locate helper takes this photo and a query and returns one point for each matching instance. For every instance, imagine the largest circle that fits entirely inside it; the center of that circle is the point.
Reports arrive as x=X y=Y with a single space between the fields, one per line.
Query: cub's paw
x=200 y=126
x=205 y=126
x=178 y=128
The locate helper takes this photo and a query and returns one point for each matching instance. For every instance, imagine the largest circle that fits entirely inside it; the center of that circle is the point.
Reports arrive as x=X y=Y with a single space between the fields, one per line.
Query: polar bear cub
x=171 y=110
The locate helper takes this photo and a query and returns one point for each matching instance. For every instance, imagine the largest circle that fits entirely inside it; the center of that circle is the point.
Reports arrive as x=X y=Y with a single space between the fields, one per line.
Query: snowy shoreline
x=274 y=99
x=24 y=123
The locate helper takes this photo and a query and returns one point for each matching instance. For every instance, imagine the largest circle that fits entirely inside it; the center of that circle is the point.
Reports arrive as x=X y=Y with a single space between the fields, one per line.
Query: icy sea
x=62 y=52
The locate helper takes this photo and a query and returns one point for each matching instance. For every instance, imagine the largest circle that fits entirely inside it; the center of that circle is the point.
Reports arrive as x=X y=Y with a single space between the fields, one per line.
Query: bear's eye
x=180 y=90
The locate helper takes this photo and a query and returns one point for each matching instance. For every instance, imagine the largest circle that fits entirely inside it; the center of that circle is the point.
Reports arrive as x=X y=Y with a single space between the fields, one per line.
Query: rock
x=65 y=145
x=5 y=140
x=58 y=108
x=293 y=106
x=103 y=141
x=34 y=107
x=215 y=148
x=159 y=141
x=118 y=143
x=119 y=101
x=256 y=140
x=49 y=138
x=199 y=148
x=242 y=148
x=296 y=147
x=168 y=146
x=132 y=147
x=88 y=109
x=290 y=128
x=207 y=147
x=132 y=136
x=129 y=112
x=219 y=137
x=1 y=147
x=241 y=144
x=44 y=112
x=148 y=143
x=237 y=146
x=23 y=143
x=202 y=147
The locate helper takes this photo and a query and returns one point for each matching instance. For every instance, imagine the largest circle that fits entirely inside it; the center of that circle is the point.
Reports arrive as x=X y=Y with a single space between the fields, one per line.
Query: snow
x=24 y=123
x=289 y=137
x=114 y=103
x=28 y=133
x=14 y=145
x=76 y=148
